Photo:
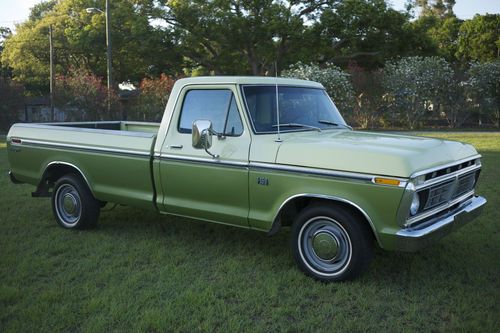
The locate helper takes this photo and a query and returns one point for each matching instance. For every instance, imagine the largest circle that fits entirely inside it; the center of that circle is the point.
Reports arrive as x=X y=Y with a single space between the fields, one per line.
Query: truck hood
x=371 y=153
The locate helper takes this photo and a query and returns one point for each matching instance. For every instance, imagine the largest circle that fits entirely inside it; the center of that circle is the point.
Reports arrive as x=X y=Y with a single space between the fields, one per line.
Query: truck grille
x=451 y=189
x=439 y=194
x=444 y=189
x=465 y=184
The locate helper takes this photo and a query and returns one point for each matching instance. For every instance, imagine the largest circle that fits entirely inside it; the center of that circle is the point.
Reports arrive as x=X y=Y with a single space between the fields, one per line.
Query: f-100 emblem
x=262 y=181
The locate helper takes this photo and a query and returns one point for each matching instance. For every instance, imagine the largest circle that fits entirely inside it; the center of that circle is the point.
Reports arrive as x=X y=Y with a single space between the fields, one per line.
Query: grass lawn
x=139 y=271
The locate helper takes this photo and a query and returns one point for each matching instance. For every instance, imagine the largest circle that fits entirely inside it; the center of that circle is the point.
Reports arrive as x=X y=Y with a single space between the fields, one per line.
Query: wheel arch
x=292 y=205
x=55 y=170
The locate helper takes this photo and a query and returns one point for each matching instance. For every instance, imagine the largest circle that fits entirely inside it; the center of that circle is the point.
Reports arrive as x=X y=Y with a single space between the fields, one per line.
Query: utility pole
x=108 y=51
x=51 y=52
x=109 y=61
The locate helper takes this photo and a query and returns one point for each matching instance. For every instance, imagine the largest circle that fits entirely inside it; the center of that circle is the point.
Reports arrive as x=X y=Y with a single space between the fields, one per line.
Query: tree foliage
x=479 y=39
x=235 y=37
x=11 y=101
x=483 y=89
x=417 y=85
x=261 y=37
x=84 y=97
x=154 y=94
x=370 y=107
x=437 y=8
x=367 y=31
x=139 y=49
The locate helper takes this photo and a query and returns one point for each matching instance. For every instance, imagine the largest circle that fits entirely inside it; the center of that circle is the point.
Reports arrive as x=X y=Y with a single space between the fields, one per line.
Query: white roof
x=248 y=80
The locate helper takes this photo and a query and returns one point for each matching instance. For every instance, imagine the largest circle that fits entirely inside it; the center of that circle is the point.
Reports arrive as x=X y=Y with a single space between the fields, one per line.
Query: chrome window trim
x=40 y=143
x=233 y=96
x=443 y=166
x=332 y=198
x=412 y=220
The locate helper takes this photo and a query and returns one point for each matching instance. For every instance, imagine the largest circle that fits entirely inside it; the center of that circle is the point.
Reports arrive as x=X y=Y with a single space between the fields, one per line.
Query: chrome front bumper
x=413 y=239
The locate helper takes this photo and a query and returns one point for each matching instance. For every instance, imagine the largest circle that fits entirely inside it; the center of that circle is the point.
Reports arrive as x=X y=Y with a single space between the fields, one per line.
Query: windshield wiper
x=328 y=122
x=299 y=125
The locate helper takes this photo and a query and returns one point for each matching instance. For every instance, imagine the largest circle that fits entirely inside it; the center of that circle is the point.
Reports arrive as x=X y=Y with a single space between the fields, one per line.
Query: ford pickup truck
x=258 y=153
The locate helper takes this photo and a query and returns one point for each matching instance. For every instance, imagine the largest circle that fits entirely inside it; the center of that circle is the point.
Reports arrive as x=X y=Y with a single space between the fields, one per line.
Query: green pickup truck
x=258 y=153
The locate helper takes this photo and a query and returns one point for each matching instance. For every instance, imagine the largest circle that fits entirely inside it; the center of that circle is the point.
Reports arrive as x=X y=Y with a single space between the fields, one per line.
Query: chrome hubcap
x=325 y=245
x=69 y=203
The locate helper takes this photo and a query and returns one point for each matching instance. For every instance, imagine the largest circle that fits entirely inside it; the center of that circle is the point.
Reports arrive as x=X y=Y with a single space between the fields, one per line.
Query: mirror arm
x=209 y=153
x=219 y=136
x=212 y=132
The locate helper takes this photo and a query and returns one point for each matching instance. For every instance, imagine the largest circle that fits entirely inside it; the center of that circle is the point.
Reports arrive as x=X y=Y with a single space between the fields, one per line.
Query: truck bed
x=114 y=157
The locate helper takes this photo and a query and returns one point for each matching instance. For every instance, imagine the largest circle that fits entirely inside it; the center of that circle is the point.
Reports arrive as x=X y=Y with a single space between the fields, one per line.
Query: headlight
x=415 y=204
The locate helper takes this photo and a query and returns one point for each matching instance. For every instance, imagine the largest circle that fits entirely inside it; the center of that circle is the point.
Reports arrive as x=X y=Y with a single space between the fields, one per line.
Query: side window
x=218 y=106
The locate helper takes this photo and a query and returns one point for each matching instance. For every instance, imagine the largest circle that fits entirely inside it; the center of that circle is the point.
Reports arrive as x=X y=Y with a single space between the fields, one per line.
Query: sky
x=16 y=11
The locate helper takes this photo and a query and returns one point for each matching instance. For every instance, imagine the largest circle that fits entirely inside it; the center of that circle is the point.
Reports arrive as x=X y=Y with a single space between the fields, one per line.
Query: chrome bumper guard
x=413 y=239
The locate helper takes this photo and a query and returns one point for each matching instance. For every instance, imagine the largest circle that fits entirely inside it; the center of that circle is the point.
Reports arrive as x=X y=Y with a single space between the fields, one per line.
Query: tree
x=366 y=31
x=441 y=33
x=139 y=49
x=4 y=34
x=335 y=81
x=11 y=102
x=238 y=37
x=479 y=39
x=416 y=86
x=154 y=94
x=369 y=107
x=83 y=96
x=483 y=89
x=437 y=8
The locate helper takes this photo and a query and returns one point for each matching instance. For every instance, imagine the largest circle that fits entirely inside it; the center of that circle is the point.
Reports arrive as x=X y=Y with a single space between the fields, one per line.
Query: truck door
x=194 y=183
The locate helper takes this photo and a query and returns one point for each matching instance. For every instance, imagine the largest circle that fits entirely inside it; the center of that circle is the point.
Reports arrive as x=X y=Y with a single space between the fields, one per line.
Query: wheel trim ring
x=304 y=257
x=64 y=191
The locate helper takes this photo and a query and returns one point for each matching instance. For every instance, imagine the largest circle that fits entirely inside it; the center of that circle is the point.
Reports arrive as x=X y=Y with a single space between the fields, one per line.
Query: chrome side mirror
x=202 y=136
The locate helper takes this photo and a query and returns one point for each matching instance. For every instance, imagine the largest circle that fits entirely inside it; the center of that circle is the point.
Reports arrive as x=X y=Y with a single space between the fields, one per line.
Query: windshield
x=300 y=109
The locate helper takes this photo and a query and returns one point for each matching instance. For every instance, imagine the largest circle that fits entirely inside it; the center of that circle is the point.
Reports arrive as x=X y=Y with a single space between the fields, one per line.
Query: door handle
x=176 y=146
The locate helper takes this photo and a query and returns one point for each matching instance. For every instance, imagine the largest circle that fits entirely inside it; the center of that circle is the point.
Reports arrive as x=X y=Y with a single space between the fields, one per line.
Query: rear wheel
x=73 y=204
x=330 y=244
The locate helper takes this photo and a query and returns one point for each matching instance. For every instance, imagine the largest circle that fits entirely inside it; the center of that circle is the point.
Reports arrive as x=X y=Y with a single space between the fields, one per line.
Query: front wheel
x=73 y=204
x=329 y=243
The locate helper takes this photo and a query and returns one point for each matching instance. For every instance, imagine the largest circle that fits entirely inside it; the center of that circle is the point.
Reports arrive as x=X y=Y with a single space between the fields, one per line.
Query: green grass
x=140 y=271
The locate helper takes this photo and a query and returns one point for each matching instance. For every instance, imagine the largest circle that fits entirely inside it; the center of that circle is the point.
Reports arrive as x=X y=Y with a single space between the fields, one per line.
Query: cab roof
x=242 y=80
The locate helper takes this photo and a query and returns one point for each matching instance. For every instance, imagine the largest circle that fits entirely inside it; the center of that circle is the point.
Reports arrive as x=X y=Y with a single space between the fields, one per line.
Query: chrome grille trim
x=444 y=166
x=438 y=209
x=448 y=176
